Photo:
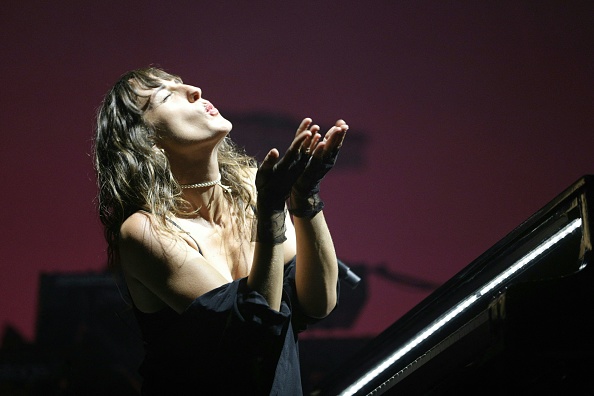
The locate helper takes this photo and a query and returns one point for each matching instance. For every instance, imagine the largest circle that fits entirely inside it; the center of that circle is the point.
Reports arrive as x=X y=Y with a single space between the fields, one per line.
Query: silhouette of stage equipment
x=88 y=343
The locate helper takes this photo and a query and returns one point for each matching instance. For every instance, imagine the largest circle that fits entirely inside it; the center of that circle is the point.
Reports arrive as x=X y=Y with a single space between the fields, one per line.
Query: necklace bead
x=203 y=184
x=207 y=184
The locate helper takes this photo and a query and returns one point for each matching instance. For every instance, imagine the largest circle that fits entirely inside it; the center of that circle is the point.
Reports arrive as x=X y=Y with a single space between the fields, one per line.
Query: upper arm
x=164 y=263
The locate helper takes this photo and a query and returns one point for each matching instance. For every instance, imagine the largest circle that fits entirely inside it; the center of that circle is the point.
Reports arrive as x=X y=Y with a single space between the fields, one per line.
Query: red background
x=476 y=114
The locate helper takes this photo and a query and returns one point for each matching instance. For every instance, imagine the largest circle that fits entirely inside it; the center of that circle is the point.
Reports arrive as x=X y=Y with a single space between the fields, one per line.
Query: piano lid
x=461 y=319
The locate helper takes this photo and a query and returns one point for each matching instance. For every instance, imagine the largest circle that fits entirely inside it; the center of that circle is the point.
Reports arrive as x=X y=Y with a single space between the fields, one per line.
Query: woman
x=220 y=279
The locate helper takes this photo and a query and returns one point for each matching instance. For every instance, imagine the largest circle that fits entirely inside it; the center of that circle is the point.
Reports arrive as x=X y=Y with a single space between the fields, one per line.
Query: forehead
x=144 y=88
x=147 y=85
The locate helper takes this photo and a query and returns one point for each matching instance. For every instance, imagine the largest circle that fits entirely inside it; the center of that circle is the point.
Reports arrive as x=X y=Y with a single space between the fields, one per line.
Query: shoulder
x=135 y=226
x=163 y=263
x=143 y=229
x=140 y=238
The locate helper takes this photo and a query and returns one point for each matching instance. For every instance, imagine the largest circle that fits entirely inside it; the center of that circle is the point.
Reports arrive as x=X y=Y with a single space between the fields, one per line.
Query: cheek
x=180 y=129
x=163 y=123
x=180 y=124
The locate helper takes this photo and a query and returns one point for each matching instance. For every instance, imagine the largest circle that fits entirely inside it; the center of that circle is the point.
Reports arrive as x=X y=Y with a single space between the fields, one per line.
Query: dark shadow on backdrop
x=258 y=132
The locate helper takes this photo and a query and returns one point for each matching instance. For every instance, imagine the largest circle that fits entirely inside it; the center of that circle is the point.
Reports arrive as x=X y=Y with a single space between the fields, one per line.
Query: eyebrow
x=154 y=94
x=159 y=88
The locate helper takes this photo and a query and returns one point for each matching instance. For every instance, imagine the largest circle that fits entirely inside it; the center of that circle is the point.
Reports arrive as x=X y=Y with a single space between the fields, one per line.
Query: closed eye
x=162 y=95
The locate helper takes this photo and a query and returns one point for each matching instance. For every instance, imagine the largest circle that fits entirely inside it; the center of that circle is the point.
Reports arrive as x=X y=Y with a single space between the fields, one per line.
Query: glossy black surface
x=531 y=334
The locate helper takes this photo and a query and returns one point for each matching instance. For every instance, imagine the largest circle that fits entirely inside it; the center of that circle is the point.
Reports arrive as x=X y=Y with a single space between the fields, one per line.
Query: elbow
x=320 y=309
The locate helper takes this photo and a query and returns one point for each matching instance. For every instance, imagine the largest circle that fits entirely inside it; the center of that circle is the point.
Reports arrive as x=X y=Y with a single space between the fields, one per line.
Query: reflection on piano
x=517 y=320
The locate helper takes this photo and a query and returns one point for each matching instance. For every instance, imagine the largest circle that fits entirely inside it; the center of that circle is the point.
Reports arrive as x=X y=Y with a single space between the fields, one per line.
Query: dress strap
x=186 y=232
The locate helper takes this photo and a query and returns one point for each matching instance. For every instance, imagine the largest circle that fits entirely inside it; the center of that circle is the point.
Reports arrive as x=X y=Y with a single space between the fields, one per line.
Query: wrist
x=270 y=226
x=306 y=206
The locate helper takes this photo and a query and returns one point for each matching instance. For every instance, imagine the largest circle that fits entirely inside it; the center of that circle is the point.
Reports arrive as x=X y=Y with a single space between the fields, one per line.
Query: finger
x=270 y=160
x=336 y=136
x=330 y=133
x=304 y=126
x=293 y=151
x=299 y=141
x=310 y=144
x=314 y=142
x=334 y=144
x=318 y=152
x=340 y=135
x=331 y=143
x=306 y=144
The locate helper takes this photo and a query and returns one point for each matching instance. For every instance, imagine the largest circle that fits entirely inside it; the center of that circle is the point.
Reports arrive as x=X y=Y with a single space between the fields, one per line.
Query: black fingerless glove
x=271 y=226
x=274 y=187
x=305 y=198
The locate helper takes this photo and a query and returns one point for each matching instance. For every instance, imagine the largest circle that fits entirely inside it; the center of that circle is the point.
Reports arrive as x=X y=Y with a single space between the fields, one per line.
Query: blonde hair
x=132 y=175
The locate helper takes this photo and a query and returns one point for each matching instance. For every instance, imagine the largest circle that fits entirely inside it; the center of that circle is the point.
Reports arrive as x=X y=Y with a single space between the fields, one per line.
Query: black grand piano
x=517 y=321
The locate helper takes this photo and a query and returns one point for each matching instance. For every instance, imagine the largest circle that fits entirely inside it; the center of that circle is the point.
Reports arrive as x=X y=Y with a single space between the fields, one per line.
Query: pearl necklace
x=207 y=184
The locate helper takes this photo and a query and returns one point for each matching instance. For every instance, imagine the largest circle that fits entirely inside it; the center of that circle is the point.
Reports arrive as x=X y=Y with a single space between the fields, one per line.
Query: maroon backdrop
x=476 y=114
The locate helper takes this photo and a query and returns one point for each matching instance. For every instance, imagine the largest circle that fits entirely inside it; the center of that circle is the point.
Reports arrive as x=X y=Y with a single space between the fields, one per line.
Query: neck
x=203 y=184
x=210 y=202
x=190 y=171
x=199 y=168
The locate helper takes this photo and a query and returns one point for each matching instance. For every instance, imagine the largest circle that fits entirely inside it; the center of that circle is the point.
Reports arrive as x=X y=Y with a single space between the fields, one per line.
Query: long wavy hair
x=133 y=175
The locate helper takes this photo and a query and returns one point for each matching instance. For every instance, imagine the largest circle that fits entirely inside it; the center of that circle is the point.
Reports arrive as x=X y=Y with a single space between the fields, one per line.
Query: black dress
x=227 y=342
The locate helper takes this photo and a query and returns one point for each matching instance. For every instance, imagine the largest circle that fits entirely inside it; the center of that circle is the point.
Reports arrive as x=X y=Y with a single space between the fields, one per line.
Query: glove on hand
x=305 y=198
x=273 y=182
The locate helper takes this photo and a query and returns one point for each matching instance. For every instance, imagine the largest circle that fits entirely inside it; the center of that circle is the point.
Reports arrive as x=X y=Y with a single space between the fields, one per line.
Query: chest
x=225 y=246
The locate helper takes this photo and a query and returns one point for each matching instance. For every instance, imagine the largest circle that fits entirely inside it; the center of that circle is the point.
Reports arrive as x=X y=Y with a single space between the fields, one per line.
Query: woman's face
x=181 y=117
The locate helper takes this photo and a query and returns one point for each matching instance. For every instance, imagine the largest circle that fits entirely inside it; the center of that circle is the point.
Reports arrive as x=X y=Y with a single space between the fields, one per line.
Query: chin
x=226 y=125
x=220 y=128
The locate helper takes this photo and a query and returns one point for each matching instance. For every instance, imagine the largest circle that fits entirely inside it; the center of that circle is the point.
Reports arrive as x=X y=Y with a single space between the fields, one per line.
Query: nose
x=194 y=93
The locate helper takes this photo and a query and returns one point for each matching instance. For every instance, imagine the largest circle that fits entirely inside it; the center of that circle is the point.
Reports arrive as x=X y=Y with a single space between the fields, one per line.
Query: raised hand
x=276 y=175
x=305 y=200
x=274 y=181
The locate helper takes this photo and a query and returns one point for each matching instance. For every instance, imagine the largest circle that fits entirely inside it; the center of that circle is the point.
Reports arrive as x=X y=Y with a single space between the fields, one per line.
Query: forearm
x=297 y=175
x=317 y=268
x=266 y=275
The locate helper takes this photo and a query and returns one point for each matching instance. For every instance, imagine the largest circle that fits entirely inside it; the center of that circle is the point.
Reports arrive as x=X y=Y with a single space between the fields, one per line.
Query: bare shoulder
x=141 y=243
x=135 y=227
x=139 y=233
x=163 y=263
